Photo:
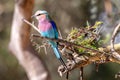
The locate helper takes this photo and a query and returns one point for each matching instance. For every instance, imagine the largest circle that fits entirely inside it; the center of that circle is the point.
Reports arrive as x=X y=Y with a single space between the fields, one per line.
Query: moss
x=87 y=37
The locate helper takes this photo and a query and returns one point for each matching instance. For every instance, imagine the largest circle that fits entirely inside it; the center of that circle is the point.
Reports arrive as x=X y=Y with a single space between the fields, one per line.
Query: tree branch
x=102 y=55
x=64 y=42
x=113 y=36
x=114 y=53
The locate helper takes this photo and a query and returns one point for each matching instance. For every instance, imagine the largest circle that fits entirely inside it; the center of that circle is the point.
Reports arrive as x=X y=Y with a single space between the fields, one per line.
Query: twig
x=113 y=37
x=117 y=75
x=60 y=34
x=31 y=25
x=60 y=40
x=83 y=60
x=81 y=73
x=114 y=53
x=64 y=42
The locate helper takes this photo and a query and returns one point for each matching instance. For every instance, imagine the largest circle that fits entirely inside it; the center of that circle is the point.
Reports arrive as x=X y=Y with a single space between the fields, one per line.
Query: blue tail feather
x=55 y=49
x=57 y=53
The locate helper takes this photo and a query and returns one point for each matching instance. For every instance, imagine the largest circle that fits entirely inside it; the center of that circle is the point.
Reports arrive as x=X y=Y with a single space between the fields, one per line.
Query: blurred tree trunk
x=20 y=44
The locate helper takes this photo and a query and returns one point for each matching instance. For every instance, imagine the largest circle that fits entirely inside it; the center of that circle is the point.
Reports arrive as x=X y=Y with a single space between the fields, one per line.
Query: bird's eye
x=38 y=14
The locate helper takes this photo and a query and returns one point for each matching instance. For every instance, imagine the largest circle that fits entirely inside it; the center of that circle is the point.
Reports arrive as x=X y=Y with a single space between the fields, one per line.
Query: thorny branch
x=113 y=36
x=60 y=40
x=114 y=53
x=102 y=55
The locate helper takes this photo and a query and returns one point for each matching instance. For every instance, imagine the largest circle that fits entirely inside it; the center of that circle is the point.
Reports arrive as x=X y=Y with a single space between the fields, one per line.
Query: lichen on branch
x=83 y=46
x=86 y=36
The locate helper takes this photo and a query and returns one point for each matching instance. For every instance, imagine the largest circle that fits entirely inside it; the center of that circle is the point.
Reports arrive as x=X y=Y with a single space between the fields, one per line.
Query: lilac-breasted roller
x=47 y=28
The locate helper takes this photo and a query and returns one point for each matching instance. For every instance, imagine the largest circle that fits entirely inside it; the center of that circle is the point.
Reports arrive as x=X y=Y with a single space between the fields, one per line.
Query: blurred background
x=67 y=14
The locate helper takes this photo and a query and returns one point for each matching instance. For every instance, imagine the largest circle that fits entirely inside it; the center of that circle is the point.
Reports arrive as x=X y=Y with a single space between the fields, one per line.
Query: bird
x=47 y=28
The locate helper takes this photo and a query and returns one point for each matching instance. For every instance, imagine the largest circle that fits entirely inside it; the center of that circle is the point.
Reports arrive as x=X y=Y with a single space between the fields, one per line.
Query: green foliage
x=87 y=37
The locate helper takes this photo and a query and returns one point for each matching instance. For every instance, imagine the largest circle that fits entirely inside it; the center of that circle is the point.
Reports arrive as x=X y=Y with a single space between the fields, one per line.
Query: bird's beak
x=33 y=16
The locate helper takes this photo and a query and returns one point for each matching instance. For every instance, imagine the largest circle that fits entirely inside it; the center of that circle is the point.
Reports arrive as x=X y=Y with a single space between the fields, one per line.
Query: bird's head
x=40 y=14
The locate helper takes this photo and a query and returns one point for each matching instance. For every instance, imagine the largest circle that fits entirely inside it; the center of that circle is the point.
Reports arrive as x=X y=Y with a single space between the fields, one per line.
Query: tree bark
x=20 y=44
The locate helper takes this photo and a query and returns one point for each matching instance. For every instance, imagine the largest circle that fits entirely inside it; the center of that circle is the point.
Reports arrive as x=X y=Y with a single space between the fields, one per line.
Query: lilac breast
x=44 y=26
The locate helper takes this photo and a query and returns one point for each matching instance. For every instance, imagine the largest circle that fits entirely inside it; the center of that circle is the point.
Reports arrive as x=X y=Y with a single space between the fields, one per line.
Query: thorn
x=45 y=49
x=60 y=34
x=97 y=66
x=63 y=50
x=81 y=73
x=67 y=75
